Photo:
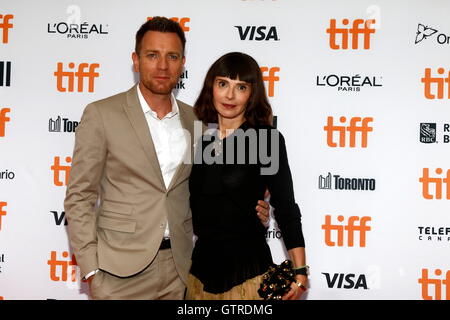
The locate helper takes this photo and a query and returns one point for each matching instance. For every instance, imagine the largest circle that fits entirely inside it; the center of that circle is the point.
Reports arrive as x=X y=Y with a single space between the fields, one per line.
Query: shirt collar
x=146 y=107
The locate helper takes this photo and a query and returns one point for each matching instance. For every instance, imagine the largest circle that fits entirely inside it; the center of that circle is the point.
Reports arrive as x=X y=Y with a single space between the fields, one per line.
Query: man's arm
x=82 y=191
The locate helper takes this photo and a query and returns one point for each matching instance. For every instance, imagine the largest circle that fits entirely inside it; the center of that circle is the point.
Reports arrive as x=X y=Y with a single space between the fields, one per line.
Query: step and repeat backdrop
x=361 y=91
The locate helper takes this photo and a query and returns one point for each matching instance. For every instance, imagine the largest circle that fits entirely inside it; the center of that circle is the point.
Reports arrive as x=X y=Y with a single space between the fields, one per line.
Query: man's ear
x=135 y=58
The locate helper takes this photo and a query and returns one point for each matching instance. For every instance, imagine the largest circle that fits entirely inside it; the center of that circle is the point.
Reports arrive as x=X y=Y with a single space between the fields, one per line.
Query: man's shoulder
x=111 y=101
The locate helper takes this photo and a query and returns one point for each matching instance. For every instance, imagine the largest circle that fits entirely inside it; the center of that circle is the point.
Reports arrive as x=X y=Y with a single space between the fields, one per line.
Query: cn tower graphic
x=325 y=183
x=54 y=125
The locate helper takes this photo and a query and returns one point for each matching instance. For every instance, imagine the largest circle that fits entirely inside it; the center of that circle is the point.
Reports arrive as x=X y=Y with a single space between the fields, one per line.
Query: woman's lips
x=228 y=106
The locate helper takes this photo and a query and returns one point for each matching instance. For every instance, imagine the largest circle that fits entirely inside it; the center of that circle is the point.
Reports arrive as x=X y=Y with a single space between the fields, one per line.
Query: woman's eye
x=221 y=84
x=242 y=88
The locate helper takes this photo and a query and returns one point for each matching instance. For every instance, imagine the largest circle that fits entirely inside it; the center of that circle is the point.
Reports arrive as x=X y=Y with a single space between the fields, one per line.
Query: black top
x=231 y=242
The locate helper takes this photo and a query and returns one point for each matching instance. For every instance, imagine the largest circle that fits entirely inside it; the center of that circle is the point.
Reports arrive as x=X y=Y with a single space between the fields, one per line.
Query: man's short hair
x=160 y=24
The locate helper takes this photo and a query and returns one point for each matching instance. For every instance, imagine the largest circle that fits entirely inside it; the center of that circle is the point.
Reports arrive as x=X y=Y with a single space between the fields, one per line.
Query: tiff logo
x=80 y=74
x=438 y=284
x=353 y=128
x=271 y=78
x=438 y=84
x=355 y=31
x=5 y=73
x=3 y=120
x=5 y=25
x=57 y=168
x=2 y=212
x=350 y=229
x=59 y=269
x=426 y=181
x=181 y=21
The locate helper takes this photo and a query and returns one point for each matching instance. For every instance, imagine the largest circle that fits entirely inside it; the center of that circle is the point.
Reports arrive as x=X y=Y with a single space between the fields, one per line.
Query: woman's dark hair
x=160 y=24
x=235 y=65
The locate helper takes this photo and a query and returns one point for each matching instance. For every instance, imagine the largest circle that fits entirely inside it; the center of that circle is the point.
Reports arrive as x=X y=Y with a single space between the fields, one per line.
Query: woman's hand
x=296 y=291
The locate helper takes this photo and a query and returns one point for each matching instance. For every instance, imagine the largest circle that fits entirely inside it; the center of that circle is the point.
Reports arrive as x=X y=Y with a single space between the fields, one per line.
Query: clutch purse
x=276 y=282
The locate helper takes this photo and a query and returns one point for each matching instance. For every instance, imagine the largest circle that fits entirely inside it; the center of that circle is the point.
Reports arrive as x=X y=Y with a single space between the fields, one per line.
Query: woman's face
x=230 y=97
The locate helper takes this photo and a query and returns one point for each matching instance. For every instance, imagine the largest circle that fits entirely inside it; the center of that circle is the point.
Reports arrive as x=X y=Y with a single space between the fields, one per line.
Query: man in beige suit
x=127 y=201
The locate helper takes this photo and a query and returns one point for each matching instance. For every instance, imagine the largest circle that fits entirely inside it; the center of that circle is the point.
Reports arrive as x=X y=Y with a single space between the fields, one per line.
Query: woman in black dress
x=234 y=165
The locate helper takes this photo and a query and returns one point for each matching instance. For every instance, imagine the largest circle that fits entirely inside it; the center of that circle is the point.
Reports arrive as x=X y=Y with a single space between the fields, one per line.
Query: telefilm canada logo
x=434 y=234
x=425 y=32
x=336 y=182
x=77 y=31
x=62 y=125
x=432 y=132
x=348 y=83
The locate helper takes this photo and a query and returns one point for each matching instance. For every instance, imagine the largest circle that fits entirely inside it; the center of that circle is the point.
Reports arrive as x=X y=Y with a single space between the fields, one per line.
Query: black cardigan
x=231 y=244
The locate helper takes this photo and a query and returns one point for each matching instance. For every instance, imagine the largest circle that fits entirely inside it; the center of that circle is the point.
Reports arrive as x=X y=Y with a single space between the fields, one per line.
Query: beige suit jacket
x=116 y=202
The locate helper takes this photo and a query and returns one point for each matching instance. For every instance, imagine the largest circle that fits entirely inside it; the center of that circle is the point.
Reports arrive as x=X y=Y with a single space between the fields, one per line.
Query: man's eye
x=173 y=57
x=152 y=55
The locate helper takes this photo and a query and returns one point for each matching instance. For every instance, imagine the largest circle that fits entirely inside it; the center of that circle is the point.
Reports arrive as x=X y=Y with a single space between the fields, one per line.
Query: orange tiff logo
x=57 y=168
x=436 y=85
x=271 y=78
x=80 y=74
x=357 y=124
x=59 y=269
x=5 y=25
x=426 y=181
x=359 y=26
x=350 y=228
x=3 y=120
x=2 y=212
x=181 y=21
x=438 y=284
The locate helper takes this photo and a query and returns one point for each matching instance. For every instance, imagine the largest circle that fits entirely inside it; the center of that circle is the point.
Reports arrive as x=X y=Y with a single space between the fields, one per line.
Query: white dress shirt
x=168 y=138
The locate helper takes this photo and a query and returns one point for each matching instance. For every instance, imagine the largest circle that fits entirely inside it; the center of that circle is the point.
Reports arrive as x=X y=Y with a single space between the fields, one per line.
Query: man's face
x=160 y=61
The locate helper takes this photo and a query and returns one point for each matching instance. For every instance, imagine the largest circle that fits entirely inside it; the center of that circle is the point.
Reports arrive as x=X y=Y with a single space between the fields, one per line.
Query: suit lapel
x=139 y=123
x=188 y=124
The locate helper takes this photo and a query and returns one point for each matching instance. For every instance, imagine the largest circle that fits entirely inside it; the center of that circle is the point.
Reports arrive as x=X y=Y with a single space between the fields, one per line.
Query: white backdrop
x=402 y=249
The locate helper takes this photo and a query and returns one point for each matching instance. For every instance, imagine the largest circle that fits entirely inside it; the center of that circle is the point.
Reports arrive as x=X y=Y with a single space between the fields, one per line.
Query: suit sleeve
x=83 y=189
x=286 y=211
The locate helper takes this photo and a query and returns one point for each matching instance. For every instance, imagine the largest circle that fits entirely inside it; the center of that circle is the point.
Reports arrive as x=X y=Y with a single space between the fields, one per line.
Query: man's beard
x=156 y=88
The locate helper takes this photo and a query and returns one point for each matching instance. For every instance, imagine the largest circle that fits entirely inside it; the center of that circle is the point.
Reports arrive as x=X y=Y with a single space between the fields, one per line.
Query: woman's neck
x=227 y=126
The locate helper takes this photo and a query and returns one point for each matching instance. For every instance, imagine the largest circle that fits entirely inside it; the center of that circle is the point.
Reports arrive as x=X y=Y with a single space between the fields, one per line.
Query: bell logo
x=355 y=31
x=350 y=229
x=2 y=212
x=57 y=168
x=5 y=25
x=357 y=124
x=425 y=281
x=61 y=273
x=438 y=84
x=438 y=182
x=3 y=120
x=80 y=75
x=181 y=21
x=271 y=78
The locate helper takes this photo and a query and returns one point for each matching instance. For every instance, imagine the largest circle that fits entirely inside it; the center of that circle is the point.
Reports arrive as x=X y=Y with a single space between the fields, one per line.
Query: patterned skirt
x=244 y=291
